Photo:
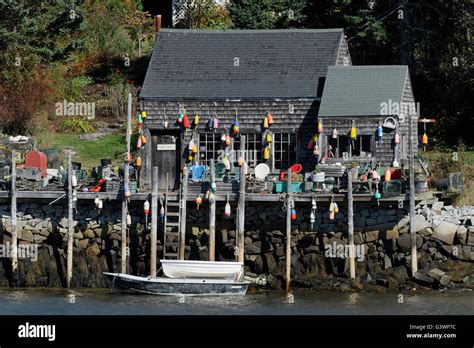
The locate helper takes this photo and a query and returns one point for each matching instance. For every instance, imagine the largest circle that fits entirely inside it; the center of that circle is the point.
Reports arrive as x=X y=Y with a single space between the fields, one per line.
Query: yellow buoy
x=266 y=153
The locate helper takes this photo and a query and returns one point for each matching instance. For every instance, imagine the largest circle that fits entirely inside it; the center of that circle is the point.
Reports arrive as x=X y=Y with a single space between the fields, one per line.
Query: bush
x=76 y=125
x=75 y=86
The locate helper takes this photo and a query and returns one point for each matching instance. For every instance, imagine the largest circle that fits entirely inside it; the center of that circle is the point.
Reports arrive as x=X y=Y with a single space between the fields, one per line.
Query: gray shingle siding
x=202 y=64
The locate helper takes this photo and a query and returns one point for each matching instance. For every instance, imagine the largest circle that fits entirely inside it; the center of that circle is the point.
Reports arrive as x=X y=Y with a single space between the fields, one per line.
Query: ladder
x=171 y=226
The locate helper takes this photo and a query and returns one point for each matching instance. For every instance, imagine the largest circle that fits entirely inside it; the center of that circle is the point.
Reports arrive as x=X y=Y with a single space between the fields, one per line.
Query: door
x=166 y=158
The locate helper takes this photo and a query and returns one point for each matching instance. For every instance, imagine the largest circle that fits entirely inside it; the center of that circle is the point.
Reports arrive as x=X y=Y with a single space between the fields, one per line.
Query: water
x=106 y=302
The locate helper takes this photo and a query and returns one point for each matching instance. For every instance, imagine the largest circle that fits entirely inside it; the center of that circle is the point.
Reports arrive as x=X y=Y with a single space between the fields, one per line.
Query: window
x=361 y=147
x=253 y=147
x=210 y=146
x=284 y=150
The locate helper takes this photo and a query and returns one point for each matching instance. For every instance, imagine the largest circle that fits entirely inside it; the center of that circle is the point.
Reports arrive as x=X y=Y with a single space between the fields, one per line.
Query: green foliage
x=202 y=14
x=267 y=14
x=75 y=86
x=76 y=125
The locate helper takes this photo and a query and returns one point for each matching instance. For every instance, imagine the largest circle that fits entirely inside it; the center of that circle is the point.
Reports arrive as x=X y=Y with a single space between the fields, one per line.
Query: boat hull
x=184 y=269
x=177 y=287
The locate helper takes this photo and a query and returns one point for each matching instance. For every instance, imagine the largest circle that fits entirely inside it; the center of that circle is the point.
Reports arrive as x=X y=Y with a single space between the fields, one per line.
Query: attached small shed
x=378 y=101
x=235 y=74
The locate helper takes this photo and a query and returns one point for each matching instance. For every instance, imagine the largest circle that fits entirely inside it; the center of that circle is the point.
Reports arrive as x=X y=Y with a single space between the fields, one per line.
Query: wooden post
x=288 y=230
x=414 y=260
x=126 y=175
x=70 y=229
x=241 y=208
x=154 y=222
x=182 y=228
x=212 y=217
x=350 y=224
x=13 y=215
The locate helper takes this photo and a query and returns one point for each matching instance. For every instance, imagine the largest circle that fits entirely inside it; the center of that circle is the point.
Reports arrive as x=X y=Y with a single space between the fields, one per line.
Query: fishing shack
x=205 y=89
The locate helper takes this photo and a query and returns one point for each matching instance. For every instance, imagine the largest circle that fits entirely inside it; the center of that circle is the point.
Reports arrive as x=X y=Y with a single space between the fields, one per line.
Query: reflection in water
x=106 y=302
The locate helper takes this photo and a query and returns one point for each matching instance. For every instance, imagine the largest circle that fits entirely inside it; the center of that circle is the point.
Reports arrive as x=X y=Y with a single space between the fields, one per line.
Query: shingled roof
x=240 y=64
x=359 y=90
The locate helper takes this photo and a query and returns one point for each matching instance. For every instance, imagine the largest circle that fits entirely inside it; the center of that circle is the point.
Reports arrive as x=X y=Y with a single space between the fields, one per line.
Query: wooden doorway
x=166 y=156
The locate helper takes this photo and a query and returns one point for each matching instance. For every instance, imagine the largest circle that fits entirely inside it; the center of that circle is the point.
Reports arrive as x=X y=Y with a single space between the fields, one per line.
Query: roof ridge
x=249 y=31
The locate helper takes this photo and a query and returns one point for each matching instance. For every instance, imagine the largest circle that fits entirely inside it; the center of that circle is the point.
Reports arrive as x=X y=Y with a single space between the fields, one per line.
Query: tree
x=201 y=14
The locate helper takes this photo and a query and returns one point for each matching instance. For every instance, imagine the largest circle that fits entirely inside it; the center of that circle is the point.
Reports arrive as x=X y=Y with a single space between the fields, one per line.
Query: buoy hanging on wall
x=185 y=121
x=235 y=126
x=215 y=122
x=265 y=122
x=196 y=120
x=334 y=133
x=146 y=207
x=138 y=162
x=227 y=210
x=320 y=126
x=266 y=153
x=312 y=142
x=269 y=118
x=293 y=214
x=198 y=201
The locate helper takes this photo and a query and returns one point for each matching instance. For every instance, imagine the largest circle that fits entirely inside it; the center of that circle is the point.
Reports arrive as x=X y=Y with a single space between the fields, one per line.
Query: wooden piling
x=414 y=258
x=126 y=179
x=241 y=207
x=13 y=215
x=350 y=224
x=212 y=216
x=70 y=229
x=288 y=230
x=182 y=227
x=154 y=222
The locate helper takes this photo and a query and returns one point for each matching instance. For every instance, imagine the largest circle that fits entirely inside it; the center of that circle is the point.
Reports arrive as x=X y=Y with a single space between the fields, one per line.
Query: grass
x=87 y=152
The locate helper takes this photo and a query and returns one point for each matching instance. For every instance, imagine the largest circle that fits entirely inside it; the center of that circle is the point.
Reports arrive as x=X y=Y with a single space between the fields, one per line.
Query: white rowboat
x=184 y=269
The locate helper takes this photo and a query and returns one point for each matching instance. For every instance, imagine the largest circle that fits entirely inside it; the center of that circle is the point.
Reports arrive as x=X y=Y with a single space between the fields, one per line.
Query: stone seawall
x=445 y=243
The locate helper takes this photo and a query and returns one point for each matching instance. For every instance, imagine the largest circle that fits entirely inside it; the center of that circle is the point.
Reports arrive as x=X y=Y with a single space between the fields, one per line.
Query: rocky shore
x=445 y=245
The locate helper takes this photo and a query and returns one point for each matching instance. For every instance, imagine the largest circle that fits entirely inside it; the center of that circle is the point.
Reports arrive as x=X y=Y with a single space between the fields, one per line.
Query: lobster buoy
x=162 y=212
x=138 y=162
x=268 y=138
x=181 y=117
x=198 y=201
x=210 y=123
x=190 y=157
x=227 y=210
x=388 y=175
x=353 y=133
x=245 y=166
x=139 y=143
x=235 y=126
x=396 y=138
x=143 y=114
x=194 y=149
x=146 y=207
x=223 y=137
x=293 y=214
x=126 y=190
x=215 y=122
x=100 y=205
x=211 y=198
x=265 y=122
x=143 y=137
x=320 y=127
x=227 y=140
x=377 y=195
x=331 y=215
x=379 y=131
x=424 y=139
x=74 y=179
x=336 y=208
x=266 y=153
x=185 y=121
x=312 y=142
x=214 y=187
x=226 y=162
x=191 y=145
x=240 y=161
x=269 y=119
x=196 y=120
x=312 y=217
x=129 y=220
x=331 y=206
x=334 y=133
x=128 y=158
x=139 y=120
